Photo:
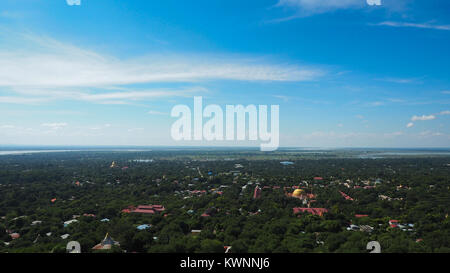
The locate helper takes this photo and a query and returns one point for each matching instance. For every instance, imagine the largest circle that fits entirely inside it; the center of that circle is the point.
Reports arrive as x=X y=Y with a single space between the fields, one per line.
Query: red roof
x=361 y=215
x=147 y=209
x=205 y=215
x=318 y=178
x=257 y=192
x=89 y=215
x=346 y=196
x=314 y=211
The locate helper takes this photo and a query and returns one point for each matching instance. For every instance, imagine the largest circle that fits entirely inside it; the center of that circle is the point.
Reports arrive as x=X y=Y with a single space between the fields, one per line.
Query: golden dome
x=297 y=192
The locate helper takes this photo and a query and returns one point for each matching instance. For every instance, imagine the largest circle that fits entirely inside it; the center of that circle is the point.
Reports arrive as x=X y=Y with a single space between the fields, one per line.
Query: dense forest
x=210 y=202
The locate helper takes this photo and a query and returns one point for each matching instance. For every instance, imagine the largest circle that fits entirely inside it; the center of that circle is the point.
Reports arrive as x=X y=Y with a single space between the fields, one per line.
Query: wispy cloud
x=401 y=80
x=282 y=97
x=376 y=103
x=309 y=7
x=427 y=117
x=8 y=14
x=55 y=126
x=413 y=25
x=423 y=117
x=135 y=129
x=41 y=95
x=42 y=69
x=56 y=64
x=153 y=112
x=21 y=100
x=430 y=134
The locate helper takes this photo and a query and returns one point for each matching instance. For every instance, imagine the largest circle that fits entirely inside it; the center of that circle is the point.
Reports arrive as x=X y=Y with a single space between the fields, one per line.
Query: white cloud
x=430 y=134
x=423 y=117
x=135 y=129
x=73 y=2
x=152 y=112
x=41 y=69
x=401 y=80
x=21 y=100
x=7 y=126
x=376 y=103
x=44 y=95
x=282 y=97
x=426 y=117
x=55 y=126
x=414 y=25
x=55 y=64
x=319 y=6
x=374 y=2
x=393 y=134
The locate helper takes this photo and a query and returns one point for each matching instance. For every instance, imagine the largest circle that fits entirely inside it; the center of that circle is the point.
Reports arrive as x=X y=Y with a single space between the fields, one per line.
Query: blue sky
x=345 y=73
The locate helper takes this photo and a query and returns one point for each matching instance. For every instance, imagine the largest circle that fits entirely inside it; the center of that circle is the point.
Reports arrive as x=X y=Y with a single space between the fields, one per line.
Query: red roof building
x=346 y=196
x=14 y=235
x=317 y=178
x=361 y=215
x=393 y=223
x=145 y=209
x=89 y=215
x=314 y=211
x=257 y=193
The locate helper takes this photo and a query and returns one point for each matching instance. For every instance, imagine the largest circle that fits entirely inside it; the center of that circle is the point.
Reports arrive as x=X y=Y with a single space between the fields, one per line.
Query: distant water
x=286 y=163
x=143 y=160
x=22 y=152
x=405 y=153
